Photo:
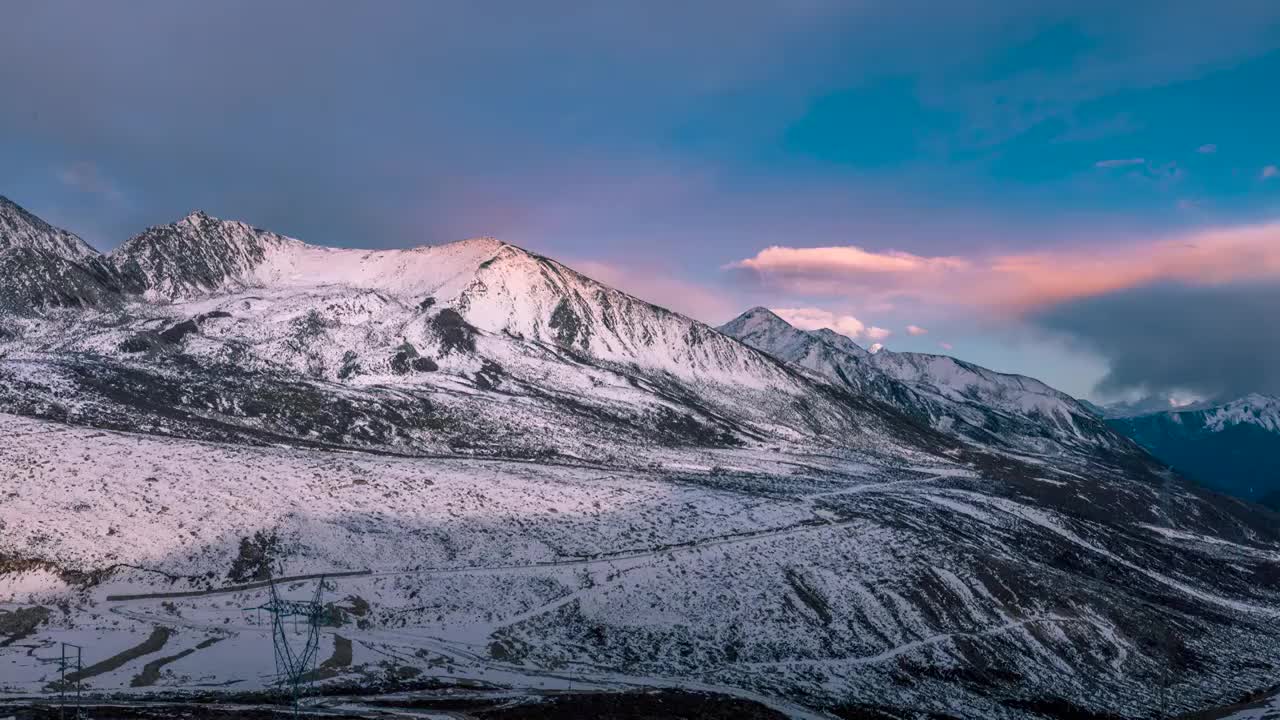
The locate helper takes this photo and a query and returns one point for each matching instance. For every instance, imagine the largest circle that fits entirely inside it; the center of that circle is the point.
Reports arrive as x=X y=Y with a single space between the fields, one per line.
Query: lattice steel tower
x=293 y=663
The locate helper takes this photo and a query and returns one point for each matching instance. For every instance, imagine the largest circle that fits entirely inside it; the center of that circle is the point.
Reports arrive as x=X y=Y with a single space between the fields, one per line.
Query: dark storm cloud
x=1214 y=341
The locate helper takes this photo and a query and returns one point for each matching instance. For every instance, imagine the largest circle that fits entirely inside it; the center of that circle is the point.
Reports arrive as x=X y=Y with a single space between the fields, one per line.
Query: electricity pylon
x=65 y=662
x=293 y=663
x=1170 y=654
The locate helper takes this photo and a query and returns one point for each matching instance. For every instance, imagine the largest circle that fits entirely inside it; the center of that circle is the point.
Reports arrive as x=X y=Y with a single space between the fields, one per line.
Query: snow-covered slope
x=949 y=394
x=497 y=288
x=1262 y=411
x=827 y=584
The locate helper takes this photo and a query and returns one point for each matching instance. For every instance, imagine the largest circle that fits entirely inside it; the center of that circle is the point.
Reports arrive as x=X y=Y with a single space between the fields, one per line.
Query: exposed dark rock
x=455 y=333
x=255 y=559
x=177 y=333
x=407 y=359
x=570 y=329
x=145 y=341
x=350 y=365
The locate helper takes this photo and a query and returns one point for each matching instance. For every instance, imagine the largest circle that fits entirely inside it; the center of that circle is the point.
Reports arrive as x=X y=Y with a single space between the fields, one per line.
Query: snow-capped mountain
x=1233 y=447
x=42 y=266
x=519 y=481
x=949 y=394
x=465 y=324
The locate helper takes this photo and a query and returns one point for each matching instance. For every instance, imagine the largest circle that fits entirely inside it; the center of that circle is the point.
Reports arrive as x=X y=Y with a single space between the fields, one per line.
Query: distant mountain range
x=1232 y=447
x=510 y=470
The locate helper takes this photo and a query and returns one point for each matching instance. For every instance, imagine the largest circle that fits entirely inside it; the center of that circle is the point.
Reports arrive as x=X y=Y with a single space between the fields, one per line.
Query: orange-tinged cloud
x=1019 y=283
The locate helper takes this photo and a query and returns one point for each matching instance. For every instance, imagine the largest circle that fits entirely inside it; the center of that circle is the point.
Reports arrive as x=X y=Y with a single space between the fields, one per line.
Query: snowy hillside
x=1262 y=411
x=821 y=585
x=950 y=395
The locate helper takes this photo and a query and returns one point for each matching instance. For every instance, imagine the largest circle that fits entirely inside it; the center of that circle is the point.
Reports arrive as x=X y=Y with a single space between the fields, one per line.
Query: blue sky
x=980 y=155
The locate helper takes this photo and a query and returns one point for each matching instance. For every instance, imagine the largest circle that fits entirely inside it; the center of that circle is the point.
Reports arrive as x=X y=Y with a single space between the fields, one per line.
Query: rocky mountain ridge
x=541 y=484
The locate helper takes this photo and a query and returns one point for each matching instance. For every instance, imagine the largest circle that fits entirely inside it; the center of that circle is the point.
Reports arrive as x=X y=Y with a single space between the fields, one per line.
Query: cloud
x=1119 y=163
x=1270 y=171
x=878 y=333
x=1018 y=283
x=916 y=330
x=809 y=318
x=86 y=177
x=1207 y=149
x=946 y=346
x=1211 y=341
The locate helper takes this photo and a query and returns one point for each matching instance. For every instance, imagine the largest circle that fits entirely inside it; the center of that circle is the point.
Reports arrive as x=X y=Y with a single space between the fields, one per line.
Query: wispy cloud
x=916 y=330
x=1270 y=171
x=946 y=346
x=1125 y=162
x=87 y=178
x=1207 y=149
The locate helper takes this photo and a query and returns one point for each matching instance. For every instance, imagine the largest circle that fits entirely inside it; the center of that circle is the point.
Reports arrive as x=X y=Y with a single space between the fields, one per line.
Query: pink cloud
x=878 y=333
x=1270 y=171
x=1207 y=148
x=1016 y=283
x=916 y=330
x=847 y=258
x=946 y=346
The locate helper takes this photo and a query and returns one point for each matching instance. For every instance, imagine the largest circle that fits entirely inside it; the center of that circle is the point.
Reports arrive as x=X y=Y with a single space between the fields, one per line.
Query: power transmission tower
x=65 y=661
x=294 y=664
x=1167 y=677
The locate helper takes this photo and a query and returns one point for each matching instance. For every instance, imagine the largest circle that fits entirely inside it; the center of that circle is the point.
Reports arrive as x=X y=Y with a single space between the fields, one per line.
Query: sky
x=1085 y=192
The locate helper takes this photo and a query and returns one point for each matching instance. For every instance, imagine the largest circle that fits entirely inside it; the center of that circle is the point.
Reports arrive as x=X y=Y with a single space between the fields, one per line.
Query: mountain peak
x=197 y=254
x=21 y=229
x=757 y=319
x=199 y=217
